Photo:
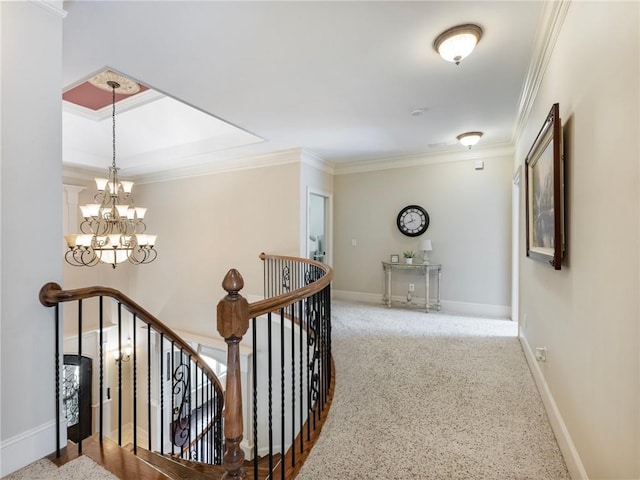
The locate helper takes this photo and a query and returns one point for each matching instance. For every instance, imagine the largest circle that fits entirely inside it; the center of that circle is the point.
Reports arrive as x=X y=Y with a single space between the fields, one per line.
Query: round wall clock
x=413 y=220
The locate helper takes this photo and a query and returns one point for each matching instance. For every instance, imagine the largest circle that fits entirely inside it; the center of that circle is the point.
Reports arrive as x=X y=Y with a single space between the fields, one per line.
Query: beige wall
x=207 y=225
x=470 y=227
x=587 y=314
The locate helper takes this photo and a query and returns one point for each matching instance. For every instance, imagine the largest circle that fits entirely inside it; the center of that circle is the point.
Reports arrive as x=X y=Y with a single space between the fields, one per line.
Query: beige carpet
x=81 y=468
x=418 y=396
x=431 y=396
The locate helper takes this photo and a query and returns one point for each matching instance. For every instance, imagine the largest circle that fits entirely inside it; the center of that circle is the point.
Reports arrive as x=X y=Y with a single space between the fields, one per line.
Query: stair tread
x=176 y=470
x=199 y=466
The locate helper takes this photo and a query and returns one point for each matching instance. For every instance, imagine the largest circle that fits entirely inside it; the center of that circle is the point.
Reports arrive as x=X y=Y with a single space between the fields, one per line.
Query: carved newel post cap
x=233 y=282
x=233 y=310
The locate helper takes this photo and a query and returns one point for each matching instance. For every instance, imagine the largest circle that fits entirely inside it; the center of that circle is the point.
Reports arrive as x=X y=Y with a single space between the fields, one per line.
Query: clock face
x=413 y=220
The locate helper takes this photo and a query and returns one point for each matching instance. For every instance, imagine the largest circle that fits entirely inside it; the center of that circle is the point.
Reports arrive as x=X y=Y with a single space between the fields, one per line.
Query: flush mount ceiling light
x=457 y=42
x=469 y=139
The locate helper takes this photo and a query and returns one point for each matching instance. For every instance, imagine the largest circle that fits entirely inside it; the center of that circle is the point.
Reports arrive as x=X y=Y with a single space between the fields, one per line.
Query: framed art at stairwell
x=544 y=179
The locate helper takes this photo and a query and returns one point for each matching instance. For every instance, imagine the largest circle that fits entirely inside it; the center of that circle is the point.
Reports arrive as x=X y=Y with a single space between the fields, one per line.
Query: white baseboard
x=567 y=447
x=27 y=447
x=477 y=309
x=448 y=306
x=356 y=296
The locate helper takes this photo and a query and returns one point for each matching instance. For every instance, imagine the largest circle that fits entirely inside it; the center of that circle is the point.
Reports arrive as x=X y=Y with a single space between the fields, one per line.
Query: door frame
x=328 y=223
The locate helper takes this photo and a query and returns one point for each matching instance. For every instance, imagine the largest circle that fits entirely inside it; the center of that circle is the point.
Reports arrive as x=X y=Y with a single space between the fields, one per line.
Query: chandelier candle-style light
x=113 y=229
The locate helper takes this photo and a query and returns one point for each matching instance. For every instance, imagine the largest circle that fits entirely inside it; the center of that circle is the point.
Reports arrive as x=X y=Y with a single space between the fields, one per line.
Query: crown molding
x=313 y=160
x=51 y=6
x=549 y=27
x=225 y=165
x=476 y=153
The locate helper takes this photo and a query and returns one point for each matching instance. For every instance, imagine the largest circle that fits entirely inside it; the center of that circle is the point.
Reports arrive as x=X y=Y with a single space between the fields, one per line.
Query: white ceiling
x=337 y=79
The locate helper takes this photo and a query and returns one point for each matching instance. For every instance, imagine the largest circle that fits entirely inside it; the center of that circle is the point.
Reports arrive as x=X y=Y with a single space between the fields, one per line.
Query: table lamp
x=425 y=246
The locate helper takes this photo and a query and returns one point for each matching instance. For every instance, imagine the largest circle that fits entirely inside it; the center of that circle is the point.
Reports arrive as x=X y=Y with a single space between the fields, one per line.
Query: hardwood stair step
x=215 y=471
x=263 y=466
x=175 y=470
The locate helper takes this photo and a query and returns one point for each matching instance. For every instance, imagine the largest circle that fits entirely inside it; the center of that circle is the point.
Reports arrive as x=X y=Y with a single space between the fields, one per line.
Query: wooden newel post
x=233 y=322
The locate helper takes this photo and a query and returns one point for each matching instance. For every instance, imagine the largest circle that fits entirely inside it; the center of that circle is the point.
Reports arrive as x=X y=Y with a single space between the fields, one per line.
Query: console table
x=424 y=269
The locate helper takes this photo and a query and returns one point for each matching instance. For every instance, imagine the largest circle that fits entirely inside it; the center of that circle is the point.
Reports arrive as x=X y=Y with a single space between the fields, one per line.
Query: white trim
x=567 y=447
x=356 y=296
x=448 y=306
x=27 y=447
x=328 y=234
x=480 y=153
x=51 y=7
x=229 y=164
x=476 y=309
x=551 y=20
x=517 y=175
x=317 y=162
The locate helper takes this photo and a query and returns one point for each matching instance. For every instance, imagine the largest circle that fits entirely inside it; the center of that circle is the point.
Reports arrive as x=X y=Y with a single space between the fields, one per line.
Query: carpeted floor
x=81 y=468
x=418 y=396
x=431 y=396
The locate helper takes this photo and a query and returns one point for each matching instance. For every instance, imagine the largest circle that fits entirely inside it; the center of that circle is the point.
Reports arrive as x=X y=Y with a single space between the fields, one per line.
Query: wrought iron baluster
x=161 y=378
x=119 y=374
x=270 y=385
x=80 y=416
x=293 y=385
x=282 y=391
x=301 y=370
x=101 y=356
x=254 y=366
x=57 y=375
x=135 y=389
x=149 y=430
x=173 y=401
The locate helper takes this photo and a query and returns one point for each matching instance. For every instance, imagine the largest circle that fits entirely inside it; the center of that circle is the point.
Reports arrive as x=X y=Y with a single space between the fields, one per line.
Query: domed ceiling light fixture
x=469 y=139
x=457 y=42
x=112 y=230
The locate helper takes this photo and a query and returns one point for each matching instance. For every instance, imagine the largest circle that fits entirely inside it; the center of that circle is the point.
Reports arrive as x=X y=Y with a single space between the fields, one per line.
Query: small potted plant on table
x=408 y=256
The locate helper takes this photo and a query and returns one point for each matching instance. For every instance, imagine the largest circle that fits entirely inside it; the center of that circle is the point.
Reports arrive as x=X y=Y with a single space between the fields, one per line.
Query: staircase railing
x=176 y=400
x=292 y=381
x=168 y=398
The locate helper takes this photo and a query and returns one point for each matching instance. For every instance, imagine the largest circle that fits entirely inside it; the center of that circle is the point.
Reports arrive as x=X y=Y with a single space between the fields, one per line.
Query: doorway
x=318 y=227
x=76 y=397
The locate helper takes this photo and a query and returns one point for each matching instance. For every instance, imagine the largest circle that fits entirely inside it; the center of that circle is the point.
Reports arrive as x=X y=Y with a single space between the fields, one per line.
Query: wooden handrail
x=267 y=305
x=51 y=294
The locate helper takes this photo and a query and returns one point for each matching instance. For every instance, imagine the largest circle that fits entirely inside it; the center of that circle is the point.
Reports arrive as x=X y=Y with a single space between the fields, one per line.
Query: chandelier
x=112 y=229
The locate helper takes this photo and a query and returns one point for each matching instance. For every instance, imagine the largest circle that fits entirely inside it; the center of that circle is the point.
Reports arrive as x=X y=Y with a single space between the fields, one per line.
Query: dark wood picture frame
x=394 y=258
x=544 y=180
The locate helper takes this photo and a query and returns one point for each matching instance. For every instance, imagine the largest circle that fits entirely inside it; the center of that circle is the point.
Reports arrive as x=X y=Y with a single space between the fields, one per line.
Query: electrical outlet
x=541 y=354
x=412 y=287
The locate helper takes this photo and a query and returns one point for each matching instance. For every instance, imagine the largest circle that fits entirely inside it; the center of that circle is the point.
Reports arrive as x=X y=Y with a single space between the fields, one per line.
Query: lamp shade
x=457 y=42
x=426 y=245
x=469 y=139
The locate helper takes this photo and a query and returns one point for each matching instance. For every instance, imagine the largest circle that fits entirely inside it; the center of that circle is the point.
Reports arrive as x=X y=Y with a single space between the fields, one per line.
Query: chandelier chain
x=113 y=86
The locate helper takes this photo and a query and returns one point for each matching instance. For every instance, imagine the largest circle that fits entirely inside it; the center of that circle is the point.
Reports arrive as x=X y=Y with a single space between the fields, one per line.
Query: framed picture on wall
x=395 y=258
x=544 y=179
